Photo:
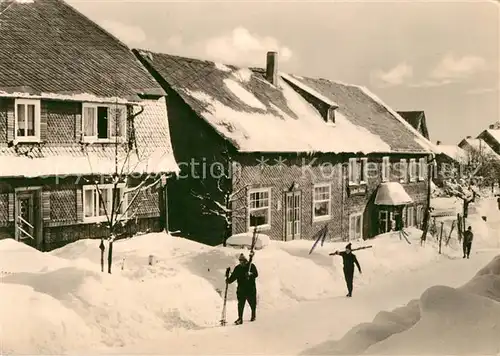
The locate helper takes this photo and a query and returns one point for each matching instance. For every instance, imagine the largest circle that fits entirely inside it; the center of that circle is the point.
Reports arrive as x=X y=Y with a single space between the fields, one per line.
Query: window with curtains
x=98 y=202
x=27 y=120
x=103 y=122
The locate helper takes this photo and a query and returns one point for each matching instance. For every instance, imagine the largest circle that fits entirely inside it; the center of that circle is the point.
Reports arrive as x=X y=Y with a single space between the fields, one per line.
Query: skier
x=349 y=259
x=246 y=290
x=467 y=244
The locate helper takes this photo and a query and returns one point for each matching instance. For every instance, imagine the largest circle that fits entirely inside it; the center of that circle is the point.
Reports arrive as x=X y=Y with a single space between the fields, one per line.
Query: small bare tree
x=129 y=166
x=222 y=194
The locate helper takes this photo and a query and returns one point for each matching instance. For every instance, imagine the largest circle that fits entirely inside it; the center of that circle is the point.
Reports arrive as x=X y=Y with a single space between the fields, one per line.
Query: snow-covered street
x=310 y=323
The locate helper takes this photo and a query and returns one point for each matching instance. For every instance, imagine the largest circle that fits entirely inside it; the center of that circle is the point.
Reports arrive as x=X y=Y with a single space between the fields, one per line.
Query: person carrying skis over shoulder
x=246 y=291
x=349 y=259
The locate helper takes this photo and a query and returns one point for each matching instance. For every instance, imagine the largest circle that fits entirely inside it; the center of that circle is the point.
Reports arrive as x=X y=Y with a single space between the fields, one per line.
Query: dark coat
x=468 y=237
x=246 y=283
x=349 y=260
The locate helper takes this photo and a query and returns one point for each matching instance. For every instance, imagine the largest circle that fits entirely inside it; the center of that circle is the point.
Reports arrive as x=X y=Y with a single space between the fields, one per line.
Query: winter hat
x=242 y=257
x=348 y=246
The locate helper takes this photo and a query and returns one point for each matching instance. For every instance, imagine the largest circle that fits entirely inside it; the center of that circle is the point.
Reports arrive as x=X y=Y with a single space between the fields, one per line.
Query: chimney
x=438 y=143
x=272 y=68
x=468 y=137
x=492 y=126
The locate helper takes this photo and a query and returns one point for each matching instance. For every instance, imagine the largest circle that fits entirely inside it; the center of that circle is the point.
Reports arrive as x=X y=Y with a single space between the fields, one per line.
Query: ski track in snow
x=308 y=324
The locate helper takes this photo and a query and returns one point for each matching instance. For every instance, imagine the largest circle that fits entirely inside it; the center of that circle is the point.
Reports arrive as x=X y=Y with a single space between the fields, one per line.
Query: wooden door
x=26 y=217
x=293 y=215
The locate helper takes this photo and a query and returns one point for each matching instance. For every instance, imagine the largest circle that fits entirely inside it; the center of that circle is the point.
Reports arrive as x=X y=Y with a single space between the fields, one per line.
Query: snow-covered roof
x=495 y=133
x=154 y=152
x=479 y=146
x=48 y=49
x=454 y=152
x=256 y=116
x=392 y=193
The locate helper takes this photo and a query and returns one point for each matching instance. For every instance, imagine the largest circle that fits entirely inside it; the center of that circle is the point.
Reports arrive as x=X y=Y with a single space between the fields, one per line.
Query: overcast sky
x=440 y=57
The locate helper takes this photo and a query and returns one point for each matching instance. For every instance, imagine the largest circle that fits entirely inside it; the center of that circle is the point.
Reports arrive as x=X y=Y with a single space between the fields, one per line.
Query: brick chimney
x=438 y=143
x=492 y=127
x=272 y=68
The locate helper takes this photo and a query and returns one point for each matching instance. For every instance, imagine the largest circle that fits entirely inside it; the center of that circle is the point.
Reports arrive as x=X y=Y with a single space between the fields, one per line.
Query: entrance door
x=26 y=221
x=293 y=209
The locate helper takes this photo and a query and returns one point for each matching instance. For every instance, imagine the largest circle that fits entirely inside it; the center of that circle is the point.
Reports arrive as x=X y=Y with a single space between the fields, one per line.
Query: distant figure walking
x=349 y=259
x=467 y=244
x=246 y=290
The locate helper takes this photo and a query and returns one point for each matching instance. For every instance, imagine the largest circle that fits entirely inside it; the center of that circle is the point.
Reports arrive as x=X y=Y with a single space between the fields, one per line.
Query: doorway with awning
x=390 y=202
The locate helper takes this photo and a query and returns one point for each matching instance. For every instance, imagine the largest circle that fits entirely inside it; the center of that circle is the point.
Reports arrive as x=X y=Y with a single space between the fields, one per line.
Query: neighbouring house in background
x=492 y=137
x=483 y=161
x=417 y=120
x=451 y=162
x=75 y=104
x=293 y=156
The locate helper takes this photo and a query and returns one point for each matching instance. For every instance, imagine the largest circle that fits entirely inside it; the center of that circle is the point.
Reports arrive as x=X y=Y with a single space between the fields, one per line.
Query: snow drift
x=444 y=321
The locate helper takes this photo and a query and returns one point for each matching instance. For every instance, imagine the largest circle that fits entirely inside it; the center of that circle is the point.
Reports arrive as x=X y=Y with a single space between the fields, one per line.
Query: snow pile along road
x=444 y=321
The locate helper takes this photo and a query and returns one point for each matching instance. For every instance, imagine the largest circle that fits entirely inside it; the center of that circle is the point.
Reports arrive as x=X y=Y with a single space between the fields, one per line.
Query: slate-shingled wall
x=62 y=220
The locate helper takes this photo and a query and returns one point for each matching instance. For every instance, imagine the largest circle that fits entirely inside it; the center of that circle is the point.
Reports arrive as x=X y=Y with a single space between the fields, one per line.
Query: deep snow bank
x=444 y=321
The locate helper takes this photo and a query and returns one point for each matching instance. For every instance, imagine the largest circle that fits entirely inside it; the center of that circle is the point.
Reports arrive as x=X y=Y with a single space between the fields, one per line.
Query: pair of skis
x=228 y=270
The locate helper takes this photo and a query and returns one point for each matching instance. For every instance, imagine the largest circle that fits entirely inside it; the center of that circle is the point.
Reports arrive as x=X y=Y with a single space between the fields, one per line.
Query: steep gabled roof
x=365 y=109
x=478 y=146
x=255 y=116
x=417 y=120
x=454 y=152
x=49 y=49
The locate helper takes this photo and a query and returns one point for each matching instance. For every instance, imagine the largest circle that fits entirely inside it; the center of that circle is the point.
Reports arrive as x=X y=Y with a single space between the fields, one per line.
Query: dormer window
x=101 y=122
x=27 y=120
x=330 y=115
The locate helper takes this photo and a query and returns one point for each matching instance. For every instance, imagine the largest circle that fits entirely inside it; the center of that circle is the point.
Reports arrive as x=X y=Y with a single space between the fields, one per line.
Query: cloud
x=454 y=69
x=430 y=83
x=479 y=91
x=398 y=75
x=130 y=35
x=239 y=47
x=242 y=47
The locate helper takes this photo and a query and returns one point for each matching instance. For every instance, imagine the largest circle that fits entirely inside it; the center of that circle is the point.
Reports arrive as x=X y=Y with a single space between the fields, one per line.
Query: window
x=422 y=171
x=27 y=120
x=403 y=171
x=321 y=202
x=383 y=221
x=355 y=226
x=386 y=169
x=420 y=215
x=410 y=216
x=259 y=207
x=413 y=170
x=103 y=122
x=358 y=170
x=97 y=202
x=330 y=116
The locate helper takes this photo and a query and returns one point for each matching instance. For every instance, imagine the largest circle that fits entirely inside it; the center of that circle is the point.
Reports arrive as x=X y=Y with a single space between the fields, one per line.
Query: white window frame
x=109 y=187
x=329 y=200
x=353 y=171
x=413 y=170
x=352 y=225
x=403 y=170
x=38 y=113
x=250 y=209
x=422 y=169
x=358 y=167
x=330 y=116
x=386 y=166
x=364 y=171
x=386 y=220
x=410 y=218
x=110 y=138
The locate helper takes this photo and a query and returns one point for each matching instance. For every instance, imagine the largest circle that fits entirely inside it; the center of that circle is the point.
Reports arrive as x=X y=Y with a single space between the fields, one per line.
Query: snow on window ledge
x=321 y=218
x=260 y=228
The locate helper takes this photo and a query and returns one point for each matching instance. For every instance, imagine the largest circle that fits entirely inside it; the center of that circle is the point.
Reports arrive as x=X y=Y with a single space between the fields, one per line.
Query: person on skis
x=349 y=259
x=246 y=291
